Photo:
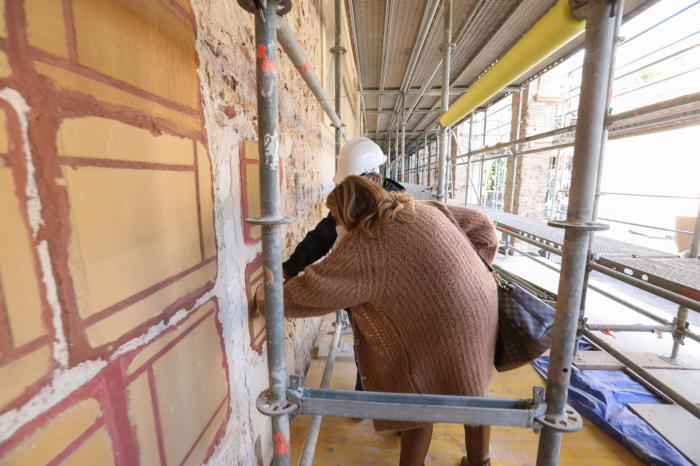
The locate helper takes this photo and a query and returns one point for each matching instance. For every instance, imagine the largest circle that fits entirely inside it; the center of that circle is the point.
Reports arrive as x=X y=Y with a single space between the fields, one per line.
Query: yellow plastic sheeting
x=554 y=30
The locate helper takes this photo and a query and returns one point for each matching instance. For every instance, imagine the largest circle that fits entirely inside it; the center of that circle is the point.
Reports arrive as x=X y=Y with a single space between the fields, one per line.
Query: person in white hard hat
x=360 y=156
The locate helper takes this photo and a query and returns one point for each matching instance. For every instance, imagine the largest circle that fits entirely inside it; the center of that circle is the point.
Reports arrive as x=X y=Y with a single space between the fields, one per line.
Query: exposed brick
x=46 y=26
x=162 y=61
x=103 y=138
x=74 y=82
x=256 y=322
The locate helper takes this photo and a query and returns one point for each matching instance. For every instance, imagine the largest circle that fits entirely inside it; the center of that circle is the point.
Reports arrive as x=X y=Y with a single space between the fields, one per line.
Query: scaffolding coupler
x=412 y=407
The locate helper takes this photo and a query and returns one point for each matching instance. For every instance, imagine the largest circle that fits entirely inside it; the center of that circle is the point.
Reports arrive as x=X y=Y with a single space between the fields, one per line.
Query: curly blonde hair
x=359 y=203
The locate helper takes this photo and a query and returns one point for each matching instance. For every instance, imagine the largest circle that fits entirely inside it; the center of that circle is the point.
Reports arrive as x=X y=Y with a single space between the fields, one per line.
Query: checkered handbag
x=524 y=323
x=524 y=326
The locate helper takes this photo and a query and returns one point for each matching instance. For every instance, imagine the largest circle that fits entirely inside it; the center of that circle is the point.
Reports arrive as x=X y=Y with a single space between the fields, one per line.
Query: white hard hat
x=358 y=156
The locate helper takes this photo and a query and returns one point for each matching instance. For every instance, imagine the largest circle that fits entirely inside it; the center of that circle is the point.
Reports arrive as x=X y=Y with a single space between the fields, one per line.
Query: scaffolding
x=546 y=412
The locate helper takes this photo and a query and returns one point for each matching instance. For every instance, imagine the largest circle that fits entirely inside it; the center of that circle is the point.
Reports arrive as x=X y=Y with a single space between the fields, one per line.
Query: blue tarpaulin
x=601 y=397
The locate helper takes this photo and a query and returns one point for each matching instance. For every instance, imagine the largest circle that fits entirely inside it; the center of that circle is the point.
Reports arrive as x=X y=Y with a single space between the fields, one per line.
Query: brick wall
x=539 y=115
x=128 y=161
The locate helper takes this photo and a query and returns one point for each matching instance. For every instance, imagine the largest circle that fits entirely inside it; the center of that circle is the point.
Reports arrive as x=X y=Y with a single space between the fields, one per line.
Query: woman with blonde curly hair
x=424 y=306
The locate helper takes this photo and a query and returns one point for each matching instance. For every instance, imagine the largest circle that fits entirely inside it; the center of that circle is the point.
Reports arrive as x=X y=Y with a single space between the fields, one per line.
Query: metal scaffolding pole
x=309 y=449
x=403 y=138
x=695 y=243
x=291 y=46
x=481 y=163
x=600 y=37
x=338 y=51
x=518 y=123
x=445 y=101
x=469 y=159
x=274 y=400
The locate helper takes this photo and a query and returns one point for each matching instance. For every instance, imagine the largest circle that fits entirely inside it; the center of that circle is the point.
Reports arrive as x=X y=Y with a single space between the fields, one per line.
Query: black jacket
x=320 y=240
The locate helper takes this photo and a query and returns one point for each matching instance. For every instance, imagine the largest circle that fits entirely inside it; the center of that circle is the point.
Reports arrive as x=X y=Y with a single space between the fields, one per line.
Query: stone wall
x=128 y=162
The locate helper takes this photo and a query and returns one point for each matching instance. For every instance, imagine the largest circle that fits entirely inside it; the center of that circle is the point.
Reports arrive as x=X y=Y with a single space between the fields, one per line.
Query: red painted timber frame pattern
x=109 y=389
x=14 y=159
x=253 y=279
x=51 y=105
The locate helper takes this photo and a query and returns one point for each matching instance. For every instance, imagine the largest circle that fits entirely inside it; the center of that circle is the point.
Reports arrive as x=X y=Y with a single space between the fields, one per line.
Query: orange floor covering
x=344 y=442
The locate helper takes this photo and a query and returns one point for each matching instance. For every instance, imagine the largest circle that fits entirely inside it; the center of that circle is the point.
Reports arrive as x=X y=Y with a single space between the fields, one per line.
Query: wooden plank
x=603 y=361
x=597 y=360
x=675 y=424
x=686 y=383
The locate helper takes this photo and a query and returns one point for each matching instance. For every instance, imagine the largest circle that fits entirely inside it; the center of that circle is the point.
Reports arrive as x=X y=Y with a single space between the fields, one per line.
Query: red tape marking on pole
x=281 y=445
x=303 y=69
x=267 y=64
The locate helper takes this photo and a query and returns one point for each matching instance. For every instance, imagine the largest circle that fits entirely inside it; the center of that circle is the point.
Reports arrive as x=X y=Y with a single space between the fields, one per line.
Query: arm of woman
x=479 y=228
x=343 y=279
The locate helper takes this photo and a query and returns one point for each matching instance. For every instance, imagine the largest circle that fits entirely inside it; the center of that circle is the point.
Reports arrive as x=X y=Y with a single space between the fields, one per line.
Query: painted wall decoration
x=256 y=322
x=132 y=411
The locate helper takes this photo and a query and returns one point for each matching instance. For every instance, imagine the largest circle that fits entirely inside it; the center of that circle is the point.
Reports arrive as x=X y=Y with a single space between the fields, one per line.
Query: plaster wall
x=128 y=161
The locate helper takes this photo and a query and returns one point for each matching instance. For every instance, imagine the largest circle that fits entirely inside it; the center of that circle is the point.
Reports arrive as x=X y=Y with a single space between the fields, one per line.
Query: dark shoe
x=356 y=419
x=486 y=462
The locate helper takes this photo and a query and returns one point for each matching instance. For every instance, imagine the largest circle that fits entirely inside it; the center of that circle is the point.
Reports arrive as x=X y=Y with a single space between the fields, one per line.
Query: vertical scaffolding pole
x=424 y=158
x=445 y=101
x=592 y=113
x=481 y=163
x=275 y=398
x=469 y=159
x=601 y=160
x=430 y=160
x=338 y=51
x=396 y=149
x=695 y=243
x=403 y=138
x=518 y=122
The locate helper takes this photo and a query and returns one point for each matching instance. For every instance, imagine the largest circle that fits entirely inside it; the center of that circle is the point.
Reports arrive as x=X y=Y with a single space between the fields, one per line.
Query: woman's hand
x=259 y=300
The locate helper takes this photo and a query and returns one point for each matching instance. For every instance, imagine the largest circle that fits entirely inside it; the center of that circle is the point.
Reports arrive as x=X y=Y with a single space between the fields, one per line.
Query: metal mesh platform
x=672 y=273
x=668 y=271
x=539 y=233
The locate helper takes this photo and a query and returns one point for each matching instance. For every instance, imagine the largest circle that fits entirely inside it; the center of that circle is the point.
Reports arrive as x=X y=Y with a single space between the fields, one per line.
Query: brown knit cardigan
x=424 y=305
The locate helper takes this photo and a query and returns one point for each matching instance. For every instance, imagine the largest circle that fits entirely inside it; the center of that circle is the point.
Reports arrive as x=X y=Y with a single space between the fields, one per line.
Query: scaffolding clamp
x=270 y=220
x=256 y=6
x=584 y=226
x=269 y=408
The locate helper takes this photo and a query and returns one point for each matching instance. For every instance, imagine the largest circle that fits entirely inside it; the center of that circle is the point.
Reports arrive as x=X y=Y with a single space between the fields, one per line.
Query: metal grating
x=676 y=274
x=541 y=233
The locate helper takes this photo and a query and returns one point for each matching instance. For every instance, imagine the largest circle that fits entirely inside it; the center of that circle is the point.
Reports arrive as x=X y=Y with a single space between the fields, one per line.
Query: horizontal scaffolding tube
x=617 y=119
x=651 y=227
x=417 y=407
x=630 y=328
x=643 y=373
x=289 y=43
x=653 y=289
x=556 y=28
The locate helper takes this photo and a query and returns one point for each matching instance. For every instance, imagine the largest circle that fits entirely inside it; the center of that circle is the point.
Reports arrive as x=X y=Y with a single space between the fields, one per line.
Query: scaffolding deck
x=541 y=233
x=675 y=274
x=668 y=271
